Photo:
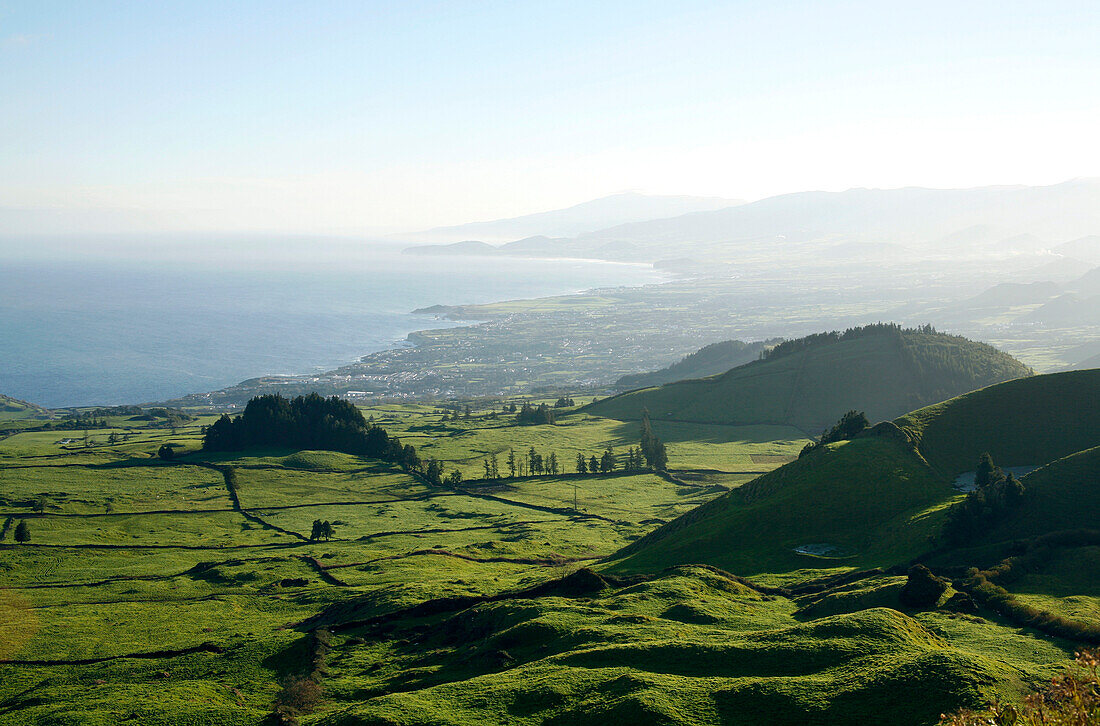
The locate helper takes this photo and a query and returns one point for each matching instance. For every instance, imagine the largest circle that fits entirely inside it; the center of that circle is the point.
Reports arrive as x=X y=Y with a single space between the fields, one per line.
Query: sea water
x=149 y=327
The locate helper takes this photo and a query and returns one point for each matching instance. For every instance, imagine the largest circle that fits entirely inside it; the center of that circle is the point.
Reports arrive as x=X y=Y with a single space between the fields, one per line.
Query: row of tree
x=649 y=454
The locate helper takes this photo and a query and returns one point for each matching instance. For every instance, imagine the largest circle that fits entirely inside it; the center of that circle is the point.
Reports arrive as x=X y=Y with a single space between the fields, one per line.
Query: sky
x=370 y=117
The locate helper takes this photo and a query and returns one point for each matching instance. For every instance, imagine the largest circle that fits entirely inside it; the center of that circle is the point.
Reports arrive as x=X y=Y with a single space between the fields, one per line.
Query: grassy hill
x=809 y=383
x=873 y=500
x=876 y=500
x=13 y=408
x=1026 y=422
x=707 y=361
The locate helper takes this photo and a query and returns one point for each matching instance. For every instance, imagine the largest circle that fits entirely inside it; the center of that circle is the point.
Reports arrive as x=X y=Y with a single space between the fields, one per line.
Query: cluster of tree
x=82 y=421
x=564 y=402
x=994 y=494
x=308 y=422
x=166 y=452
x=849 y=425
x=433 y=472
x=529 y=414
x=652 y=448
x=457 y=415
x=321 y=530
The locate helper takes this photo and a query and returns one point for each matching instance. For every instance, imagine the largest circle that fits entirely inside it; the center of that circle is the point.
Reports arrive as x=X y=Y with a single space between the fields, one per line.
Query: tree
x=659 y=460
x=494 y=466
x=652 y=448
x=434 y=472
x=593 y=464
x=984 y=474
x=582 y=464
x=846 y=428
x=22 y=532
x=454 y=478
x=553 y=463
x=318 y=530
x=607 y=461
x=512 y=463
x=113 y=438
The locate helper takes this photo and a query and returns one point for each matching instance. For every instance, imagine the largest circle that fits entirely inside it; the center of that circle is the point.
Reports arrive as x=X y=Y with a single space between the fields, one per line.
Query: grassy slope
x=811 y=389
x=1021 y=423
x=880 y=500
x=873 y=497
x=1062 y=495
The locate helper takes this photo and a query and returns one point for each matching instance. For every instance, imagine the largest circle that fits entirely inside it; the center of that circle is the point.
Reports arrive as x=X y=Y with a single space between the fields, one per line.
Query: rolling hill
x=878 y=499
x=707 y=361
x=809 y=383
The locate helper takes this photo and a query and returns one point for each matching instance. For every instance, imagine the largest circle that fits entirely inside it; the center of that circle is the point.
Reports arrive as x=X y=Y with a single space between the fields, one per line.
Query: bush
x=922 y=589
x=300 y=694
x=1073 y=699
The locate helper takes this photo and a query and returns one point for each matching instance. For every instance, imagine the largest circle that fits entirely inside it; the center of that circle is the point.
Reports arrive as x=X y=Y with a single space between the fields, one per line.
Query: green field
x=149 y=592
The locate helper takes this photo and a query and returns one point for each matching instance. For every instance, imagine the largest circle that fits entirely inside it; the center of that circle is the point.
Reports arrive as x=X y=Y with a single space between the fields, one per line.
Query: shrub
x=1073 y=699
x=300 y=694
x=922 y=589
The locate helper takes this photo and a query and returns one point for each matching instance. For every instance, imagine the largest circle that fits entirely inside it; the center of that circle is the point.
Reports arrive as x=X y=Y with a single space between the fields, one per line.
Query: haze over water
x=109 y=331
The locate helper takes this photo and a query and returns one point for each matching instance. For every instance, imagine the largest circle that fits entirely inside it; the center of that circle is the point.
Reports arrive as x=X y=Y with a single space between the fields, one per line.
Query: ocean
x=121 y=328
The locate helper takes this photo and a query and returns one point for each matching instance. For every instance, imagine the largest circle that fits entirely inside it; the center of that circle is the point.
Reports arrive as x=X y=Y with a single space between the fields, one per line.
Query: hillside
x=809 y=383
x=1026 y=422
x=13 y=408
x=1063 y=495
x=872 y=500
x=707 y=361
x=877 y=499
x=1085 y=248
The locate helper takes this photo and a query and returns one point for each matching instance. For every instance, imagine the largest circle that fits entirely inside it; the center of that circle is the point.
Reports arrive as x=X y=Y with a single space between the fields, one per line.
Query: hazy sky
x=361 y=116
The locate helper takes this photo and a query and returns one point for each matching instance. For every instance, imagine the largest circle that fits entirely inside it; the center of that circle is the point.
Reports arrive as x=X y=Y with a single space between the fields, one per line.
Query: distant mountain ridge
x=575 y=220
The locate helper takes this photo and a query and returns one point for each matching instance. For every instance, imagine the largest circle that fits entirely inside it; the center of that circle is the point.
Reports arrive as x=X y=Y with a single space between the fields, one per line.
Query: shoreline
x=442 y=314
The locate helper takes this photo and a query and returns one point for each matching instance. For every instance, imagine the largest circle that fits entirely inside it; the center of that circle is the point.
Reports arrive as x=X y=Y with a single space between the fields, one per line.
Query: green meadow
x=151 y=592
